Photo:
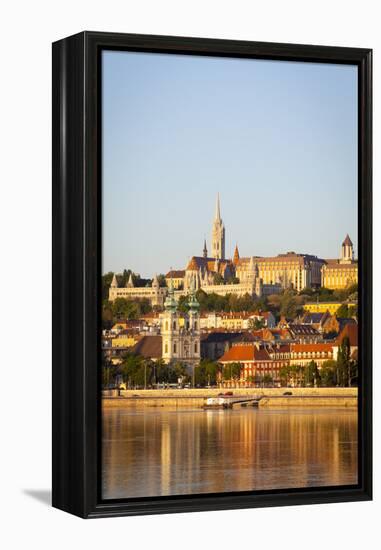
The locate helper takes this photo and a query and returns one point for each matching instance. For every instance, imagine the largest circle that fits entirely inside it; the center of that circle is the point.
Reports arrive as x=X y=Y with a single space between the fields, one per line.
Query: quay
x=261 y=397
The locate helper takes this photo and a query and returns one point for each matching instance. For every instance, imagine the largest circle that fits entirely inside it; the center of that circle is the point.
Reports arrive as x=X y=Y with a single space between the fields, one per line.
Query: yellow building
x=322 y=307
x=341 y=273
x=293 y=270
x=235 y=321
x=176 y=278
x=124 y=341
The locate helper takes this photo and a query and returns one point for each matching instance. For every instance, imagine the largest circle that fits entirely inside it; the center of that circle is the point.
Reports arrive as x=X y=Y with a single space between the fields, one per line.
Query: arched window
x=166 y=347
x=195 y=347
x=175 y=348
x=174 y=325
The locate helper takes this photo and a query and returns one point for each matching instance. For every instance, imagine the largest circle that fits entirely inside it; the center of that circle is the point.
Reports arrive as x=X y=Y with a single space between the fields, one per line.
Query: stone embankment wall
x=274 y=397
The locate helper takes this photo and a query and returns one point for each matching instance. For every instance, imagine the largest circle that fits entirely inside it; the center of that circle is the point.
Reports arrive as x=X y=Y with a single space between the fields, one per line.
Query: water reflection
x=155 y=452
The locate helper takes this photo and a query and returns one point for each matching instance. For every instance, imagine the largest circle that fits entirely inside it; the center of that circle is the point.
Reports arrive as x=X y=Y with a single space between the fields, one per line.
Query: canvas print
x=229 y=275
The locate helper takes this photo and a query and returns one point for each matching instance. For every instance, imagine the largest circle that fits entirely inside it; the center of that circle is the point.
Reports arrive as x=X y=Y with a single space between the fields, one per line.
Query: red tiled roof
x=245 y=353
x=199 y=261
x=238 y=353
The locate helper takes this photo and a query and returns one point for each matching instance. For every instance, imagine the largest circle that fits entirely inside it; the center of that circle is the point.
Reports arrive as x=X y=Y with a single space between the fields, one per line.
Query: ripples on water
x=163 y=451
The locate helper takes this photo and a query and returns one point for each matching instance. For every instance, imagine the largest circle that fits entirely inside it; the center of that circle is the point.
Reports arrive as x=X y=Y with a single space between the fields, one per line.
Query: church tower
x=180 y=333
x=218 y=234
x=347 y=255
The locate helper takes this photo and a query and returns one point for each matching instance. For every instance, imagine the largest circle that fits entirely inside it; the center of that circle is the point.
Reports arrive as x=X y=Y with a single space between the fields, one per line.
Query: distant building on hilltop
x=341 y=273
x=155 y=294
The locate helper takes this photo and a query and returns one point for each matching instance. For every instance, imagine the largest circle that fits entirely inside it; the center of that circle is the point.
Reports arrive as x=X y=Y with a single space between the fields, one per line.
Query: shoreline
x=271 y=397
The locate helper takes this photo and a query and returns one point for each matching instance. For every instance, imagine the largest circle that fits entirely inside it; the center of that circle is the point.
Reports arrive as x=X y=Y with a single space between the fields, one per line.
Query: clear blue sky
x=277 y=140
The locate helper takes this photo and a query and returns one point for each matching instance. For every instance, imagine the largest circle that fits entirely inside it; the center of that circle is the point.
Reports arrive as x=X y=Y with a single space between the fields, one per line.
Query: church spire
x=114 y=282
x=236 y=255
x=218 y=213
x=130 y=283
x=205 y=251
x=218 y=234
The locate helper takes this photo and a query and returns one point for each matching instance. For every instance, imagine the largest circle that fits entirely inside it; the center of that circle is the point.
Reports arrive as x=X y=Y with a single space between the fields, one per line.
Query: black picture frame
x=77 y=272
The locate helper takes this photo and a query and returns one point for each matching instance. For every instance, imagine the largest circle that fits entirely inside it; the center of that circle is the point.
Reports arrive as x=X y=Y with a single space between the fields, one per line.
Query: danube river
x=167 y=451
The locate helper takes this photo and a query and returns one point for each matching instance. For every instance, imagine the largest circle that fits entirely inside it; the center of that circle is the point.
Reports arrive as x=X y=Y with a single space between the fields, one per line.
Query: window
x=174 y=348
x=166 y=348
x=195 y=347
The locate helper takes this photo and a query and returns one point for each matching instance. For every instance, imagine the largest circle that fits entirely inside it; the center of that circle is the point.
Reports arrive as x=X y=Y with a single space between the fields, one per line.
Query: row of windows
x=195 y=347
x=174 y=325
x=312 y=354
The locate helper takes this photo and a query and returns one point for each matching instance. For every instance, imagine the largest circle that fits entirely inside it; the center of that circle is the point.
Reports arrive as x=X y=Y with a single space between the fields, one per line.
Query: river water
x=164 y=451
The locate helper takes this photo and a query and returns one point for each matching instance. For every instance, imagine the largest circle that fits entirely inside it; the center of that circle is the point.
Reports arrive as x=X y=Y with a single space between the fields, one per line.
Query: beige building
x=155 y=294
x=289 y=270
x=341 y=273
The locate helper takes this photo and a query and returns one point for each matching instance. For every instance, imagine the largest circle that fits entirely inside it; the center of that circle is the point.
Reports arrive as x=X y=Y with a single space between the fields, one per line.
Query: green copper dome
x=170 y=303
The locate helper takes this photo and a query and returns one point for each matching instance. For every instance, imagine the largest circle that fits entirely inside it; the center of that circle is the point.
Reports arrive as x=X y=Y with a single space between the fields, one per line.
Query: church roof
x=175 y=273
x=347 y=241
x=197 y=262
x=149 y=347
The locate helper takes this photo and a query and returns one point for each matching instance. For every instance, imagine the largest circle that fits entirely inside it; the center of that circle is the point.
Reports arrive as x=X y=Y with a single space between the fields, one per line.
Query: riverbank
x=271 y=397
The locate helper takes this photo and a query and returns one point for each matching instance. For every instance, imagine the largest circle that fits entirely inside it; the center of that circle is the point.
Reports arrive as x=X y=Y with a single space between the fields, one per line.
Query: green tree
x=206 y=373
x=161 y=279
x=311 y=375
x=343 y=363
x=285 y=375
x=343 y=311
x=290 y=306
x=267 y=380
x=124 y=309
x=328 y=373
x=109 y=372
x=256 y=324
x=218 y=279
x=106 y=282
x=251 y=379
x=232 y=371
x=296 y=375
